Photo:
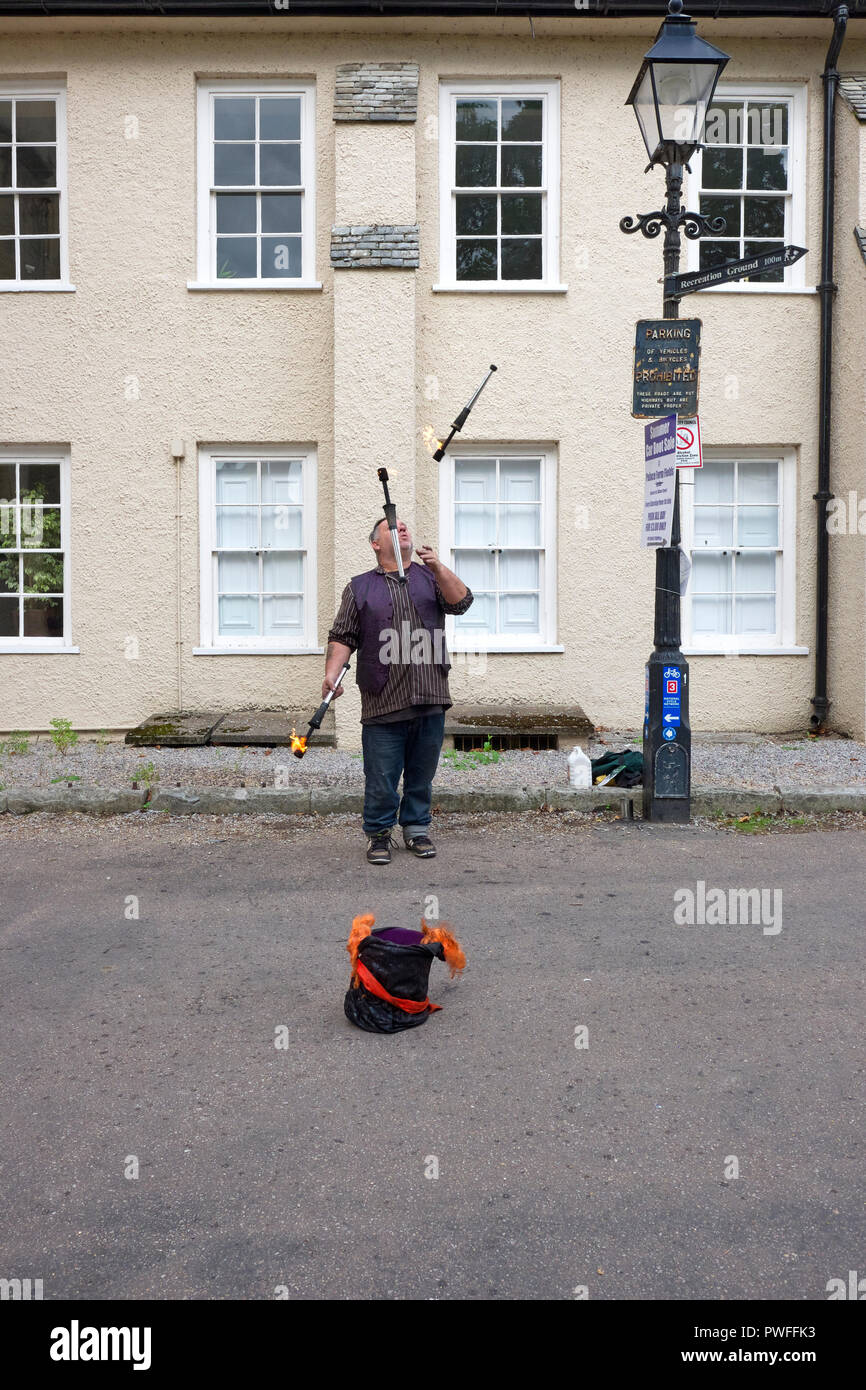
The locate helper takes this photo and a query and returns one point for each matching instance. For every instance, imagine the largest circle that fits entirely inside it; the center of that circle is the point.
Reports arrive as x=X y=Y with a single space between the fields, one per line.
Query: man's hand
x=328 y=684
x=335 y=659
x=427 y=555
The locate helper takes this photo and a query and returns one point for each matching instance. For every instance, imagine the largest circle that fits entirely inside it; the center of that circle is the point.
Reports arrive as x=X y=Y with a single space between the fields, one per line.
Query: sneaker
x=379 y=848
x=421 y=845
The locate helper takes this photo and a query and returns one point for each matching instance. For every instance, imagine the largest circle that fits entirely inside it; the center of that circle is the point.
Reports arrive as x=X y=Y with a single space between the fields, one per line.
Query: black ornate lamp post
x=671 y=96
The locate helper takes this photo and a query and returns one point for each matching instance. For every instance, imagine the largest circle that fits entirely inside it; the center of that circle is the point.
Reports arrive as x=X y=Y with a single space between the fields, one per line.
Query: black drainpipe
x=826 y=289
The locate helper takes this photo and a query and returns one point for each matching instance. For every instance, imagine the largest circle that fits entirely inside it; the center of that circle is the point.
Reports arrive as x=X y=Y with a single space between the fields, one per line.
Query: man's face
x=386 y=546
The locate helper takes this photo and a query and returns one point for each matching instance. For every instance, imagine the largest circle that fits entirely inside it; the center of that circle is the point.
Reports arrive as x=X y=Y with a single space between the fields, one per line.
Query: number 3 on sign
x=689 y=443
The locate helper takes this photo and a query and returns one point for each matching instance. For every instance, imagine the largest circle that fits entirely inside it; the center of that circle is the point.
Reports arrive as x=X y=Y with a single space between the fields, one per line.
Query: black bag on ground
x=630 y=765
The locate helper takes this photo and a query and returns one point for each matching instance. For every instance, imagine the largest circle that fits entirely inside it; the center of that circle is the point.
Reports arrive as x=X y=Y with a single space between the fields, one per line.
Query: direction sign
x=733 y=270
x=689 y=443
x=666 y=358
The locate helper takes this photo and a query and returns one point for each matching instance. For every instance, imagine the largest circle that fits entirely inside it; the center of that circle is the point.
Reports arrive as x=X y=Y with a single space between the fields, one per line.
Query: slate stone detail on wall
x=372 y=247
x=376 y=92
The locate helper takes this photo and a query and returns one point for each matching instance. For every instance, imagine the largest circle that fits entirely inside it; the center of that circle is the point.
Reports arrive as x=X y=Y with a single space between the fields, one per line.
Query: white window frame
x=783 y=641
x=449 y=91
x=34 y=453
x=33 y=89
x=206 y=205
x=212 y=643
x=795 y=205
x=546 y=640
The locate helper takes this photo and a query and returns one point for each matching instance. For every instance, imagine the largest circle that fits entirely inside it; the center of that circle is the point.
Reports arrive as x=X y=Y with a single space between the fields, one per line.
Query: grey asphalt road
x=303 y=1171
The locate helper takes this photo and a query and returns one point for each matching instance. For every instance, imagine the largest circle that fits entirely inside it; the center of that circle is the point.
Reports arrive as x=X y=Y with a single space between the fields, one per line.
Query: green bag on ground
x=626 y=767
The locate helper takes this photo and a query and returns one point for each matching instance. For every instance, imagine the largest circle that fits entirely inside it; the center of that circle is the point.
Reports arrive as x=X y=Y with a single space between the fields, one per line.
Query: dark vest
x=376 y=614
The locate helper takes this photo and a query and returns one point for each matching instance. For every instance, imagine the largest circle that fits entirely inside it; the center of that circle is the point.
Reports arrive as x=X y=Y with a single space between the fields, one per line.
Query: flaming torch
x=462 y=417
x=391 y=519
x=299 y=742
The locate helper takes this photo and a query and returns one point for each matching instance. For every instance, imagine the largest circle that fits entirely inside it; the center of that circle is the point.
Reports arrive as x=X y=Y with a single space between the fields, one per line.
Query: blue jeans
x=410 y=747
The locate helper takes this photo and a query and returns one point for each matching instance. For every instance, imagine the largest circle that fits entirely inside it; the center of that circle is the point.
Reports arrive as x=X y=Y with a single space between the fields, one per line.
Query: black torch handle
x=462 y=417
x=391 y=519
x=316 y=721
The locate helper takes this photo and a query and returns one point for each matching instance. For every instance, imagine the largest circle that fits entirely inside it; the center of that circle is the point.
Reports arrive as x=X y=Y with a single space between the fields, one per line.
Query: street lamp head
x=674 y=88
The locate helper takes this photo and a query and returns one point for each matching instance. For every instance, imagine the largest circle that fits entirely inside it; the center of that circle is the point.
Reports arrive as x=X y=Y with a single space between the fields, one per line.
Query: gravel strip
x=755 y=766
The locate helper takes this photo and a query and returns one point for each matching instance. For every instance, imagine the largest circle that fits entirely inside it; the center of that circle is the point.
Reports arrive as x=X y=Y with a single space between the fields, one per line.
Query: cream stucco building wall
x=344 y=367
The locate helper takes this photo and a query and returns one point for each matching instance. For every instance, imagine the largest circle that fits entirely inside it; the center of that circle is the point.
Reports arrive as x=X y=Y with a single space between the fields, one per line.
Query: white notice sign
x=660 y=448
x=689 y=443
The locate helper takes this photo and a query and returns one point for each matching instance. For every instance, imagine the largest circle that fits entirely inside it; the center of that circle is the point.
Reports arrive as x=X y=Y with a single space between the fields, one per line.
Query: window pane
x=6 y=120
x=476 y=214
x=40 y=527
x=7 y=484
x=237 y=574
x=755 y=616
x=7 y=216
x=236 y=258
x=519 y=525
x=765 y=216
x=281 y=481
x=755 y=248
x=758 y=481
x=281 y=528
x=714 y=526
x=38 y=213
x=37 y=166
x=279 y=164
x=729 y=208
x=475 y=480
x=724 y=123
x=234 y=118
x=521 y=260
x=521 y=212
x=10 y=574
x=711 y=574
x=40 y=481
x=756 y=574
x=281 y=257
x=281 y=212
x=43 y=574
x=481 y=617
x=9 y=617
x=521 y=120
x=43 y=617
x=519 y=480
x=767 y=169
x=239 y=617
x=40 y=260
x=722 y=168
x=5 y=166
x=236 y=212
x=714 y=482
x=718 y=253
x=475 y=166
x=234 y=164
x=283 y=573
x=476 y=260
x=475 y=568
x=767 y=123
x=518 y=569
x=280 y=118
x=521 y=166
x=237 y=526
x=476 y=120
x=283 y=616
x=7 y=260
x=757 y=525
x=518 y=612
x=8 y=524
x=711 y=616
x=474 y=525
x=236 y=480
x=35 y=120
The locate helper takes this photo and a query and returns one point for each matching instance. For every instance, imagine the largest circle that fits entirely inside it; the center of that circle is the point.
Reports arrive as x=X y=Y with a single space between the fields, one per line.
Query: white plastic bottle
x=579 y=768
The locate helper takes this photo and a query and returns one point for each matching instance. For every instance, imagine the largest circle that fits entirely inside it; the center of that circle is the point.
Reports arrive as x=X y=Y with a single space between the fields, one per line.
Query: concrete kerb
x=220 y=801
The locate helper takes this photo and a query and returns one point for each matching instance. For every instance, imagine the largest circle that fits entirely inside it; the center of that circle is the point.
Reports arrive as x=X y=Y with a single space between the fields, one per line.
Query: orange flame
x=299 y=743
x=431 y=443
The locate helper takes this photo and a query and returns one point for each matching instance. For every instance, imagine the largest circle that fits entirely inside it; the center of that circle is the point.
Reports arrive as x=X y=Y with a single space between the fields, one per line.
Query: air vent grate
x=465 y=743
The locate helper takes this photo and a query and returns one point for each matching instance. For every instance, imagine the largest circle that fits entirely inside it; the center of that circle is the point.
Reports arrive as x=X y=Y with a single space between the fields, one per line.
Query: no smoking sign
x=689 y=443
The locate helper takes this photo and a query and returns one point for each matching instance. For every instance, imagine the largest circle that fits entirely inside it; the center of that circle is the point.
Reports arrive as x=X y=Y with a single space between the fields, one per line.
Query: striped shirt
x=410 y=683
